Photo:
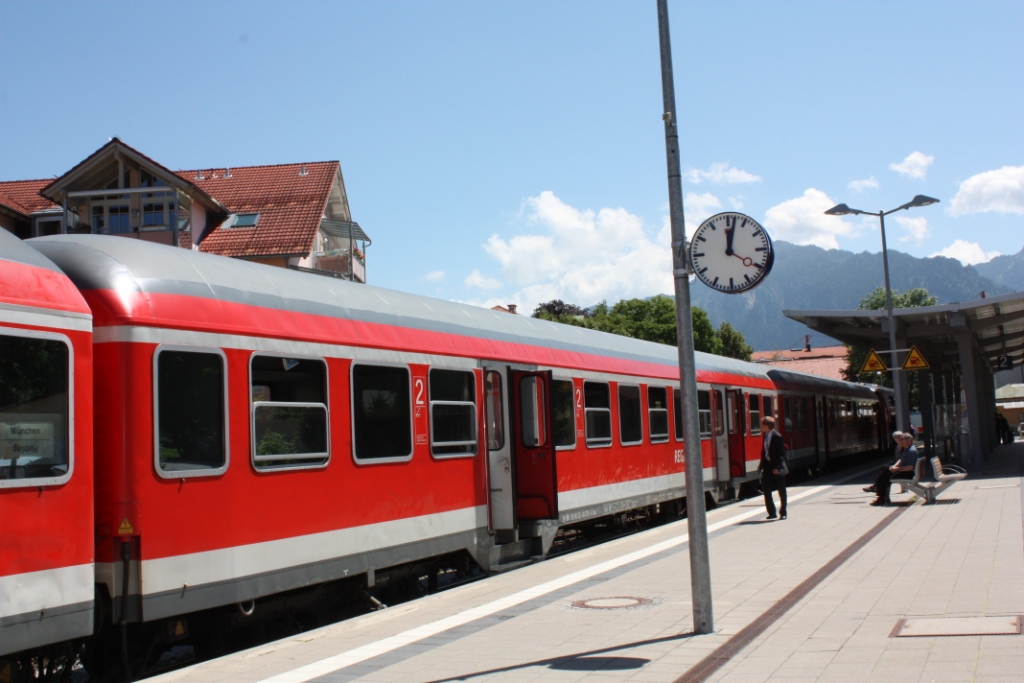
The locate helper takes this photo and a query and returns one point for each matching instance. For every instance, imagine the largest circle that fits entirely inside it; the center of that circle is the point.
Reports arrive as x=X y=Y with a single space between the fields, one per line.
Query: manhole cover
x=957 y=626
x=616 y=602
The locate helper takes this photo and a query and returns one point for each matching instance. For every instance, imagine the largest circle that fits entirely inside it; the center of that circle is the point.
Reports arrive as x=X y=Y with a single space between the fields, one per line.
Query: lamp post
x=844 y=210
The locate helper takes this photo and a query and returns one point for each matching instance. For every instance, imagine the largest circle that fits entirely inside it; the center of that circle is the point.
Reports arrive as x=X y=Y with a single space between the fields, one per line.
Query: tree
x=733 y=343
x=653 y=319
x=558 y=311
x=875 y=301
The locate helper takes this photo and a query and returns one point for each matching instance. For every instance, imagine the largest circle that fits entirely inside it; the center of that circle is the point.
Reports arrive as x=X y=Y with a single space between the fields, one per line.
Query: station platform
x=840 y=591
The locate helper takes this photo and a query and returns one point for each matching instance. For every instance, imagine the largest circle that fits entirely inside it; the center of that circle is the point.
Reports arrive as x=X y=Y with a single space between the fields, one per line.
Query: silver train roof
x=107 y=262
x=15 y=250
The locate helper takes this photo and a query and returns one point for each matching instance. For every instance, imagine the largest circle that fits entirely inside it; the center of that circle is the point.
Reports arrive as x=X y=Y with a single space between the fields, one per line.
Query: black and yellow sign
x=873 y=363
x=915 y=361
x=125 y=528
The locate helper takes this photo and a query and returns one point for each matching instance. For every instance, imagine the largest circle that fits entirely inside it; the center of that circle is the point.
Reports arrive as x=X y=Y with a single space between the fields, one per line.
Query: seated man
x=902 y=469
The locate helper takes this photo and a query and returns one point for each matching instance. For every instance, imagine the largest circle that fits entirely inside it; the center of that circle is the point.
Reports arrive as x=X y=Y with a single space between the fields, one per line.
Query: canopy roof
x=996 y=325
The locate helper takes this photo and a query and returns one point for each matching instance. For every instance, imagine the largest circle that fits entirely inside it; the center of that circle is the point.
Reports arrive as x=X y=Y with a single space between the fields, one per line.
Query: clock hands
x=748 y=262
x=729 y=234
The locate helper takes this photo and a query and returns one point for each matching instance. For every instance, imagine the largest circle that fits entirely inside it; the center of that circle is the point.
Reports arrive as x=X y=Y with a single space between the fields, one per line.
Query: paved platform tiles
x=959 y=560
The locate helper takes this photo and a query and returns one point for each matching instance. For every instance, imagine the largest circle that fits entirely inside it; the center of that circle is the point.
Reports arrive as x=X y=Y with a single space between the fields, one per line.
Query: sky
x=514 y=152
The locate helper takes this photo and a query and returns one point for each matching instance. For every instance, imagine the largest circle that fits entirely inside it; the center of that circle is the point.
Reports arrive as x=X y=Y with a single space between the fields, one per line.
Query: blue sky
x=513 y=152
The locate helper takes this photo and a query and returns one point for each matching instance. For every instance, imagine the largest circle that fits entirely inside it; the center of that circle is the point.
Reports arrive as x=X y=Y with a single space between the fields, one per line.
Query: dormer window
x=246 y=220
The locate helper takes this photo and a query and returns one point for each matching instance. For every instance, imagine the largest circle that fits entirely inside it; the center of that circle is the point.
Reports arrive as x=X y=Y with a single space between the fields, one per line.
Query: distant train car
x=260 y=430
x=46 y=492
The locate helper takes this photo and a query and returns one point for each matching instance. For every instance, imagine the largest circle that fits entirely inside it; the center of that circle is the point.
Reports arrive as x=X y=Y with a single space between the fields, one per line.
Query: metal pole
x=900 y=426
x=696 y=515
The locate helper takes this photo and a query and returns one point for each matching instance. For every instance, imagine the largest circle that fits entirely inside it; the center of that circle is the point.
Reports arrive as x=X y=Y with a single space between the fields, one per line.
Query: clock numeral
x=715 y=283
x=702 y=239
x=761 y=249
x=744 y=223
x=759 y=266
x=747 y=278
x=704 y=270
x=697 y=255
x=757 y=233
x=731 y=286
x=730 y=221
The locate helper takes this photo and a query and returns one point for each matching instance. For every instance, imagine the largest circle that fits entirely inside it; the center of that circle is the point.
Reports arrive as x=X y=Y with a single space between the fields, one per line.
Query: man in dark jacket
x=773 y=456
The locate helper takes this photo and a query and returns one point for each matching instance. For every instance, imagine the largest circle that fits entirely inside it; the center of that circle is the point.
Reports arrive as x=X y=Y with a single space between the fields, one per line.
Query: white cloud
x=736 y=202
x=914 y=166
x=865 y=184
x=967 y=253
x=1000 y=191
x=721 y=173
x=583 y=256
x=434 y=276
x=917 y=229
x=803 y=221
x=699 y=206
x=480 y=281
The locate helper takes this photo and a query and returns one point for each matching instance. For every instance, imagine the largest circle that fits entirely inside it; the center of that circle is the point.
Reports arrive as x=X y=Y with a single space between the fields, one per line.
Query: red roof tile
x=290 y=206
x=23 y=195
x=800 y=354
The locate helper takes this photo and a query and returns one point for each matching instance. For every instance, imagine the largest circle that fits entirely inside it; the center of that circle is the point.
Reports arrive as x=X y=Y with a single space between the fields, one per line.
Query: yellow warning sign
x=5 y=673
x=873 y=363
x=915 y=361
x=126 y=527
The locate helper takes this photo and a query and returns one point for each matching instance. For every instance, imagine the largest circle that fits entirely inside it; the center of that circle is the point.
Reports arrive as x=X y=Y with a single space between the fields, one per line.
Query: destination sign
x=26 y=440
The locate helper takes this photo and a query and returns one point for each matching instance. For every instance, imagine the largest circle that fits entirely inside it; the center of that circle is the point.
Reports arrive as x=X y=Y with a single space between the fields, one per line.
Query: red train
x=259 y=430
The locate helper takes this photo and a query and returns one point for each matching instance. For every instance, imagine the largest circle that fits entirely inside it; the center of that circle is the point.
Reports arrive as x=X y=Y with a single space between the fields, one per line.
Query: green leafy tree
x=875 y=301
x=733 y=343
x=652 y=319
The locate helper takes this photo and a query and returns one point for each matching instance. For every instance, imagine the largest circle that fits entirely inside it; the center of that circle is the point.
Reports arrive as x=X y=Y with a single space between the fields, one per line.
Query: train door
x=819 y=418
x=721 y=439
x=533 y=446
x=737 y=432
x=501 y=496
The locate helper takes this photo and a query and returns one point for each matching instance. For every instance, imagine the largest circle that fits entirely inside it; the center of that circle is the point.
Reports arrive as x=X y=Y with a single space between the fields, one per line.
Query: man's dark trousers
x=770 y=482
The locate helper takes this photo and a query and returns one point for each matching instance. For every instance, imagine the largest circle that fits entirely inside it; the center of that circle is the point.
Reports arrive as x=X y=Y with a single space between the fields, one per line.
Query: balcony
x=343 y=262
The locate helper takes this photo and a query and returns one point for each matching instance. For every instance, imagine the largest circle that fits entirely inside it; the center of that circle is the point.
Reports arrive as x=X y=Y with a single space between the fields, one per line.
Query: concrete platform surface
x=840 y=591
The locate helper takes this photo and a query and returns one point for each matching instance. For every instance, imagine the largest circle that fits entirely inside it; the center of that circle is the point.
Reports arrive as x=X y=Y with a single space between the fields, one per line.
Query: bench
x=945 y=476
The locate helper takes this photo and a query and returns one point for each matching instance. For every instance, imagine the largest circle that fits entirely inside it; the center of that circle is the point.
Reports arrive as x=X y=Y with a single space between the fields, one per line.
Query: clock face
x=730 y=252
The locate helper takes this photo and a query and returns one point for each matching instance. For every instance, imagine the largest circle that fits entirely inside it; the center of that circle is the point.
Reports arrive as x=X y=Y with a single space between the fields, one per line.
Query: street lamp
x=844 y=210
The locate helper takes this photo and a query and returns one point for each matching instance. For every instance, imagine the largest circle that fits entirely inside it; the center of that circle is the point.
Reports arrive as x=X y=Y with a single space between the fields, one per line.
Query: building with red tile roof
x=825 y=361
x=289 y=215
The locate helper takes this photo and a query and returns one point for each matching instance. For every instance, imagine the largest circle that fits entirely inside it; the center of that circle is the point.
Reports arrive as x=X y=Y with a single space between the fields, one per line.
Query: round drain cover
x=616 y=602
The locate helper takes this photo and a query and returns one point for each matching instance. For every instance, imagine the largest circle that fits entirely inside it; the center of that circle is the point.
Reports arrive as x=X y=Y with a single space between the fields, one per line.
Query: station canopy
x=995 y=325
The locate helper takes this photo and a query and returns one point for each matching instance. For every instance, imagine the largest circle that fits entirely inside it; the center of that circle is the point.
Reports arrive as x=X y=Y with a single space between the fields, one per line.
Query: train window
x=289 y=412
x=381 y=413
x=564 y=414
x=719 y=413
x=657 y=413
x=191 y=412
x=494 y=405
x=704 y=413
x=755 y=414
x=598 y=414
x=767 y=406
x=35 y=399
x=452 y=413
x=790 y=418
x=831 y=412
x=532 y=412
x=631 y=428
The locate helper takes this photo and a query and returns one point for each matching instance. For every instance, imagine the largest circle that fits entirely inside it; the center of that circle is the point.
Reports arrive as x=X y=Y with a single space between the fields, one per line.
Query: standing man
x=906 y=461
x=773 y=467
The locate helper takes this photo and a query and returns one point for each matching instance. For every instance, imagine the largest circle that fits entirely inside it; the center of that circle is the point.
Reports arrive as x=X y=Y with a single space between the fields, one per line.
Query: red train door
x=534 y=452
x=737 y=432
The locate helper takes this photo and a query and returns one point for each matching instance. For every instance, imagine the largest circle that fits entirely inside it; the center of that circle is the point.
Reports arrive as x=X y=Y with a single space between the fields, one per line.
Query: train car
x=826 y=422
x=46 y=541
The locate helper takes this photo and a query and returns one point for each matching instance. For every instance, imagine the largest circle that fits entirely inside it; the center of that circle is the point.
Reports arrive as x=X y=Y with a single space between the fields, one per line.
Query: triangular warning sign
x=873 y=363
x=126 y=527
x=915 y=361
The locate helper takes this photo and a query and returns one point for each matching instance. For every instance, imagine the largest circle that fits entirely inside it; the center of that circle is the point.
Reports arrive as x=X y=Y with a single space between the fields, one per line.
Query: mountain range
x=812 y=278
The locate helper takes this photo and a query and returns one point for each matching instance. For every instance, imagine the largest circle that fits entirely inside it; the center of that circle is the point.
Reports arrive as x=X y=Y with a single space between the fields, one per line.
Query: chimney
x=807 y=343
x=512 y=308
x=982 y=294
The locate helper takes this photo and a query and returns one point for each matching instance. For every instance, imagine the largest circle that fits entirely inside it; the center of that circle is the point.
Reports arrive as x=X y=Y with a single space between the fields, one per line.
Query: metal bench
x=945 y=476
